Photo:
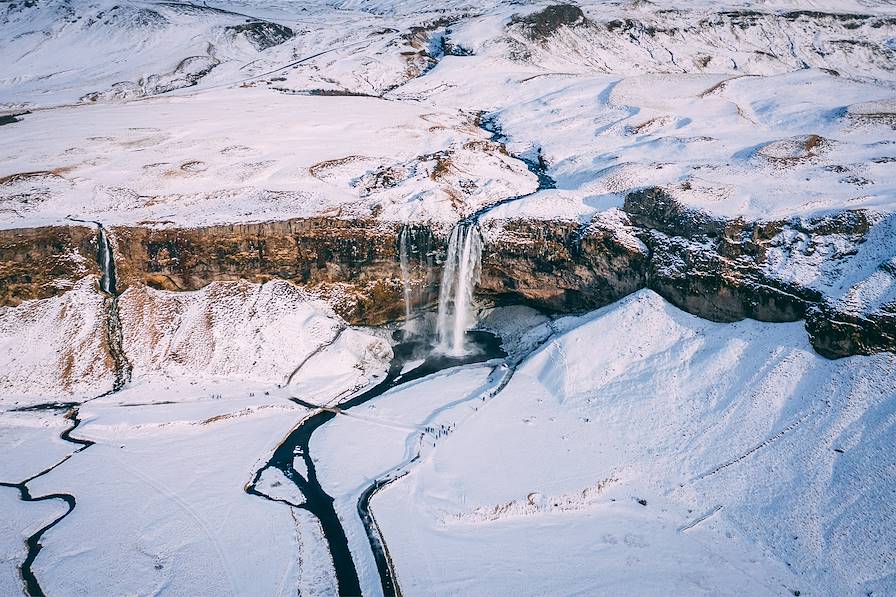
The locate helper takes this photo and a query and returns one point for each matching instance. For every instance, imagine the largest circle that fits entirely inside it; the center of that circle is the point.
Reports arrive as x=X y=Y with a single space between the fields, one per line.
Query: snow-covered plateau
x=480 y=298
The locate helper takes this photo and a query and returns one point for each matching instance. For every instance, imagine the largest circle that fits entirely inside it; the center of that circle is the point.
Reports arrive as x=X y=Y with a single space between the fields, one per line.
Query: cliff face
x=561 y=266
x=723 y=270
x=709 y=266
x=785 y=270
x=44 y=262
x=354 y=263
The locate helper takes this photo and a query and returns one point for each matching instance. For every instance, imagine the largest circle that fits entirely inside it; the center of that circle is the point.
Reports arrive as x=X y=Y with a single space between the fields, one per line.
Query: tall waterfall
x=459 y=278
x=106 y=260
x=114 y=336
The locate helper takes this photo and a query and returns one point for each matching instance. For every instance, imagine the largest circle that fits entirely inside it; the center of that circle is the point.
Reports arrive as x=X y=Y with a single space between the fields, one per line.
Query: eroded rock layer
x=719 y=269
x=43 y=262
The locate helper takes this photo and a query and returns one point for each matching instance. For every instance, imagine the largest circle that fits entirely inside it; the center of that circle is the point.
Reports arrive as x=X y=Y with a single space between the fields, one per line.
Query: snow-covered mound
x=62 y=51
x=56 y=347
x=262 y=333
x=647 y=451
x=697 y=37
x=258 y=332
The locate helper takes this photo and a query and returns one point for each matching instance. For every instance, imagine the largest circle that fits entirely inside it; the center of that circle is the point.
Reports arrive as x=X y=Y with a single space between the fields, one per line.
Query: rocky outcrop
x=262 y=34
x=541 y=25
x=655 y=38
x=561 y=266
x=727 y=270
x=709 y=266
x=837 y=333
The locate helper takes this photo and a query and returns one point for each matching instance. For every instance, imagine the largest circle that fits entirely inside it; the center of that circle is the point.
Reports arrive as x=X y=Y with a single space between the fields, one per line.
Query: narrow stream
x=122 y=374
x=317 y=501
x=32 y=587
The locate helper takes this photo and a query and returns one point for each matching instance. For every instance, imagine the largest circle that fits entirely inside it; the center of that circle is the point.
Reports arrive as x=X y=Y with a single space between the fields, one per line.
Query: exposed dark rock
x=703 y=282
x=263 y=34
x=12 y=118
x=541 y=25
x=654 y=208
x=815 y=15
x=560 y=266
x=354 y=262
x=835 y=333
x=718 y=269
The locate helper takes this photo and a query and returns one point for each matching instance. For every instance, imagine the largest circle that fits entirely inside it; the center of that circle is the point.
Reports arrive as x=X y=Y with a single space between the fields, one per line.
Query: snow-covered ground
x=161 y=500
x=235 y=155
x=801 y=124
x=646 y=451
x=160 y=495
x=65 y=355
x=635 y=450
x=371 y=441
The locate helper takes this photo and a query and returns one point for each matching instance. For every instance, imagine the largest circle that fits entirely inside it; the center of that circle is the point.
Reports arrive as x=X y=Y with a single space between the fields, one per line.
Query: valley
x=406 y=298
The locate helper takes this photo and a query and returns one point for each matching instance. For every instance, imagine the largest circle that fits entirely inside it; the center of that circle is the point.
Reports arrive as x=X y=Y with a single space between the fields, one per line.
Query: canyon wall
x=723 y=270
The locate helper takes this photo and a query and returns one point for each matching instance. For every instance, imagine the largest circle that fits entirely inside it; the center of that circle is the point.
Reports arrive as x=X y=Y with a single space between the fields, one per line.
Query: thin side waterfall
x=415 y=258
x=114 y=333
x=459 y=278
x=107 y=262
x=404 y=253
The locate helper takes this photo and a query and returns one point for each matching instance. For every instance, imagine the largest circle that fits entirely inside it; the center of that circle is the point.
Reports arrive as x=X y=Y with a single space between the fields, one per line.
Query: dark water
x=12 y=118
x=536 y=164
x=485 y=346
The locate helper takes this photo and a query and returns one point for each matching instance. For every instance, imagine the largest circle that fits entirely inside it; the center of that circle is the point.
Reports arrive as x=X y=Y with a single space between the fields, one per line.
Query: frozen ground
x=786 y=113
x=235 y=155
x=639 y=450
x=161 y=500
x=758 y=463
x=374 y=440
x=163 y=485
x=65 y=355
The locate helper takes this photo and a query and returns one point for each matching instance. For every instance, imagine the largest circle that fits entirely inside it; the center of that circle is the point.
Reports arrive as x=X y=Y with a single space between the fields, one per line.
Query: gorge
x=403 y=298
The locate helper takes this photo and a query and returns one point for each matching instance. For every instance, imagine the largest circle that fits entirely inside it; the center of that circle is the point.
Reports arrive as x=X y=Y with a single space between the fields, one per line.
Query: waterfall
x=106 y=260
x=404 y=253
x=114 y=334
x=415 y=257
x=459 y=278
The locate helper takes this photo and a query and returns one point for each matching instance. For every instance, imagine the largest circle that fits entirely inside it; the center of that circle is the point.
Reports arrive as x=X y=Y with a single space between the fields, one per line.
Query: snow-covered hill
x=199 y=201
x=648 y=452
